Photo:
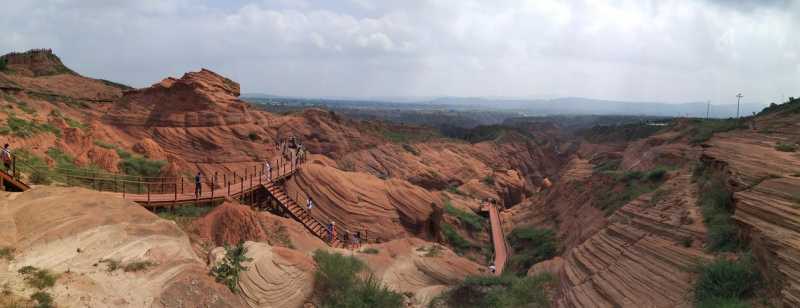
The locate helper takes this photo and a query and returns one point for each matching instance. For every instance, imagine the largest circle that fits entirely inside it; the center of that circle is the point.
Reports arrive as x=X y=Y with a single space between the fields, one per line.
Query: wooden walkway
x=498 y=239
x=7 y=179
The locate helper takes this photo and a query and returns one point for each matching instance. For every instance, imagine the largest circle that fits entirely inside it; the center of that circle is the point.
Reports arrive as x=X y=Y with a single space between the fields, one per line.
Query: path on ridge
x=498 y=240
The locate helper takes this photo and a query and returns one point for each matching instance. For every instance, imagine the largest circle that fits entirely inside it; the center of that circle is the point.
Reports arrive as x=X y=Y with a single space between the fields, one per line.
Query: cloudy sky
x=660 y=50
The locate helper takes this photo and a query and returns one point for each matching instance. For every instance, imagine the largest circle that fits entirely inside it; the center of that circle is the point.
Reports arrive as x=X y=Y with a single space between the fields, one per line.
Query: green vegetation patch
x=456 y=240
x=339 y=282
x=702 y=130
x=628 y=186
x=472 y=221
x=786 y=147
x=790 y=106
x=7 y=253
x=531 y=246
x=717 y=207
x=371 y=251
x=137 y=165
x=498 y=292
x=227 y=272
x=726 y=283
x=43 y=300
x=38 y=278
x=619 y=133
x=411 y=149
x=25 y=129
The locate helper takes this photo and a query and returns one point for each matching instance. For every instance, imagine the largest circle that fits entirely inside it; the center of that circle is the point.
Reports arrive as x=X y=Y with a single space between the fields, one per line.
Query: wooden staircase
x=301 y=215
x=8 y=179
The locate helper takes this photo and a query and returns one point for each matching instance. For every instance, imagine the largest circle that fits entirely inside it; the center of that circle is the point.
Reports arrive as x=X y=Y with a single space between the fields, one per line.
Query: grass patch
x=43 y=300
x=472 y=221
x=717 y=207
x=372 y=251
x=498 y=291
x=786 y=147
x=340 y=283
x=609 y=165
x=531 y=246
x=7 y=253
x=75 y=123
x=456 y=240
x=137 y=165
x=253 y=136
x=619 y=133
x=26 y=129
x=431 y=251
x=105 y=145
x=185 y=213
x=488 y=180
x=659 y=195
x=702 y=130
x=38 y=278
x=137 y=266
x=726 y=283
x=111 y=264
x=453 y=189
x=228 y=271
x=629 y=186
x=25 y=107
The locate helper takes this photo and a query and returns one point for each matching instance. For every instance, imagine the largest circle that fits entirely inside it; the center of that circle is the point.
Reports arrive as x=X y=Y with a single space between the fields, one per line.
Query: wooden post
x=148 y=195
x=225 y=179
x=123 y=189
x=213 y=181
x=140 y=185
x=241 y=192
x=229 y=188
x=181 y=184
x=176 y=192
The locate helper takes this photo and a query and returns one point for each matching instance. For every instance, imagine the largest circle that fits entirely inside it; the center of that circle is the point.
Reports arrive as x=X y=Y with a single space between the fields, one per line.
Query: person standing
x=198 y=186
x=268 y=169
x=309 y=205
x=492 y=268
x=6 y=156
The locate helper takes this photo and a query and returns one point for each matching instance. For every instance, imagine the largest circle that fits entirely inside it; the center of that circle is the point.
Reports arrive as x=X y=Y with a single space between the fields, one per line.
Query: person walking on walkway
x=6 y=156
x=268 y=170
x=331 y=231
x=309 y=205
x=198 y=186
x=492 y=268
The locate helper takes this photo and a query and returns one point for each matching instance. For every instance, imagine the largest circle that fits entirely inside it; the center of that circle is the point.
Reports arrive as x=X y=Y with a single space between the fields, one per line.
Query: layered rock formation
x=767 y=198
x=74 y=233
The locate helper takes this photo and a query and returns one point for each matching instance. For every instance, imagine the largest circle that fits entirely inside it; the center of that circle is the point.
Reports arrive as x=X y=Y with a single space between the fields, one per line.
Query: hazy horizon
x=635 y=51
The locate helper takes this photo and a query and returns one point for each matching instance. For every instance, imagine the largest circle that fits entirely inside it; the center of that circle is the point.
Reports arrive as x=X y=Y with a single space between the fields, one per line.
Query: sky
x=639 y=50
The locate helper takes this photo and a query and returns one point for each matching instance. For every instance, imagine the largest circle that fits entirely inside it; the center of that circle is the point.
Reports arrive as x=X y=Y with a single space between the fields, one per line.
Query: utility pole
x=738 y=100
x=708 y=109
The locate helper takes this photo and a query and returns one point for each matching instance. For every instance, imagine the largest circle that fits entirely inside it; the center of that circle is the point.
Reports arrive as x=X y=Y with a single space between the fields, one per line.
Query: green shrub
x=453 y=189
x=726 y=281
x=228 y=271
x=786 y=147
x=25 y=107
x=137 y=266
x=136 y=165
x=531 y=246
x=456 y=240
x=372 y=251
x=75 y=123
x=7 y=253
x=609 y=165
x=111 y=264
x=488 y=180
x=498 y=291
x=411 y=149
x=717 y=207
x=472 y=221
x=253 y=136
x=722 y=303
x=656 y=174
x=43 y=300
x=38 y=278
x=339 y=284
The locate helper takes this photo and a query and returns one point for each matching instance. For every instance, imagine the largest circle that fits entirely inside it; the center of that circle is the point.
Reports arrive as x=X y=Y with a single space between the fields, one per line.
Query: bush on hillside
x=472 y=221
x=786 y=147
x=498 y=291
x=456 y=240
x=531 y=246
x=227 y=272
x=704 y=129
x=726 y=281
x=717 y=207
x=137 y=165
x=339 y=284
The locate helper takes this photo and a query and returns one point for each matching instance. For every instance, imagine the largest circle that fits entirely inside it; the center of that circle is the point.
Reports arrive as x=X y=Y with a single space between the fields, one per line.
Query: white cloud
x=671 y=50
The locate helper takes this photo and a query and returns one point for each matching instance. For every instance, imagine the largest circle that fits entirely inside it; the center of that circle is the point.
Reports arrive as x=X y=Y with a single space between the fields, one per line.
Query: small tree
x=228 y=271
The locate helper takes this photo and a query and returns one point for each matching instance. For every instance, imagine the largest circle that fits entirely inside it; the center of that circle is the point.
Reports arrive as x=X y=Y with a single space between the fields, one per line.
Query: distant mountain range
x=532 y=107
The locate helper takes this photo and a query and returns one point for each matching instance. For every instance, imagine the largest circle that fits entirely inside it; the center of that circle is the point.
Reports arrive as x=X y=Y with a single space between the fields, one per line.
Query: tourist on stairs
x=309 y=205
x=6 y=156
x=198 y=187
x=268 y=169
